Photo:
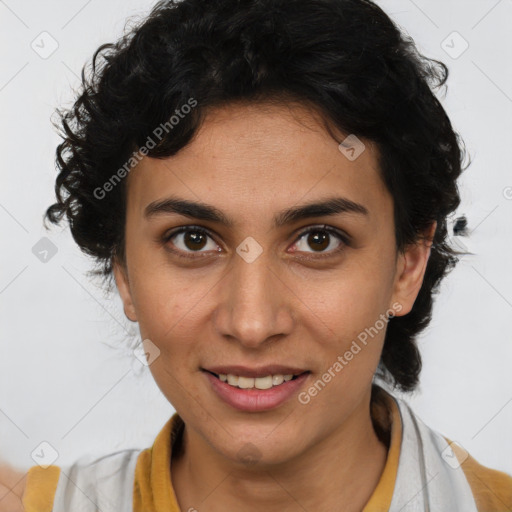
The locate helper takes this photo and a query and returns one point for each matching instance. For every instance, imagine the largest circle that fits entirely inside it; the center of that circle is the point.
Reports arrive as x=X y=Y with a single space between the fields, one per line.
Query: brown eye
x=190 y=239
x=194 y=240
x=321 y=239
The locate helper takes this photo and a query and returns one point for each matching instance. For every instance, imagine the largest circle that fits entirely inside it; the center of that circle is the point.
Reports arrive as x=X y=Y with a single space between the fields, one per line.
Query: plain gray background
x=68 y=376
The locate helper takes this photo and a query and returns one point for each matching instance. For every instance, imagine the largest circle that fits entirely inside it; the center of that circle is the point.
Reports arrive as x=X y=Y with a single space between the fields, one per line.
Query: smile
x=243 y=393
x=266 y=382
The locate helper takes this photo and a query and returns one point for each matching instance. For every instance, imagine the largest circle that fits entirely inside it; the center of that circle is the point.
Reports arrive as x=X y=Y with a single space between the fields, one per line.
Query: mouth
x=255 y=394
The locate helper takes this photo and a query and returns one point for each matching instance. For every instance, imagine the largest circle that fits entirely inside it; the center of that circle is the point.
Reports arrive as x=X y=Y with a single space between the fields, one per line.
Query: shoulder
x=491 y=488
x=92 y=483
x=106 y=480
x=40 y=486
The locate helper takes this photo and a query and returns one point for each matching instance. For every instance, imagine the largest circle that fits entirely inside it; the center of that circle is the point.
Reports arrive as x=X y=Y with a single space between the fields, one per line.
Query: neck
x=338 y=473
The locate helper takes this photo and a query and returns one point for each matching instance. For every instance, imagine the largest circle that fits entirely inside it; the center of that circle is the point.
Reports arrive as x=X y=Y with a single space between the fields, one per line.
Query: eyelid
x=342 y=236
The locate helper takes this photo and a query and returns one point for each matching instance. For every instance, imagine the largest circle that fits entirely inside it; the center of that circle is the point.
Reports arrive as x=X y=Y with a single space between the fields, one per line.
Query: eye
x=190 y=239
x=320 y=238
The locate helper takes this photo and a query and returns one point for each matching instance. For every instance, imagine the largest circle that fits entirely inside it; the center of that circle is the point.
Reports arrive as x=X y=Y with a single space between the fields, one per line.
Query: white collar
x=425 y=482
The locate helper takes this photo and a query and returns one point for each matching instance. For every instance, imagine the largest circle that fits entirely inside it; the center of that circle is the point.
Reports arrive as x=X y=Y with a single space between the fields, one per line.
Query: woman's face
x=261 y=289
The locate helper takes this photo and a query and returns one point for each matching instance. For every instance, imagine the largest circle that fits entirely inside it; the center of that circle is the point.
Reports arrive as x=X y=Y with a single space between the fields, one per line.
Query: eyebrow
x=206 y=212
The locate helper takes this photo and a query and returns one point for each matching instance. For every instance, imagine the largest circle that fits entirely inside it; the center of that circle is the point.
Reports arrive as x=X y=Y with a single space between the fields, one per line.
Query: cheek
x=174 y=311
x=161 y=294
x=348 y=317
x=167 y=316
x=350 y=349
x=352 y=299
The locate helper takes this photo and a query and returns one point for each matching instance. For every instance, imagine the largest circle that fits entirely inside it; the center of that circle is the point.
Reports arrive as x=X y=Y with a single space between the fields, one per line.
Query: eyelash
x=198 y=229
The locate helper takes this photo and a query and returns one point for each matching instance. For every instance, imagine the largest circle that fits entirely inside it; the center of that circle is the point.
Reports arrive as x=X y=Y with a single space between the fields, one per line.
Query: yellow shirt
x=153 y=491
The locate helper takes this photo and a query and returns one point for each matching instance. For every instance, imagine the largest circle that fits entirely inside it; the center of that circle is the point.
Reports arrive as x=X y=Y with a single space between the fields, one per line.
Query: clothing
x=421 y=473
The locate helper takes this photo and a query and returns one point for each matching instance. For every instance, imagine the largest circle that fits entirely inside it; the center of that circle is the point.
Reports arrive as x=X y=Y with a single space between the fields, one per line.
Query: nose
x=255 y=304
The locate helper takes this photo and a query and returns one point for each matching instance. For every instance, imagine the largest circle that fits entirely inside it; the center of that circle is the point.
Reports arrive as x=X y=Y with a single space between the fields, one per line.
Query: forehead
x=250 y=158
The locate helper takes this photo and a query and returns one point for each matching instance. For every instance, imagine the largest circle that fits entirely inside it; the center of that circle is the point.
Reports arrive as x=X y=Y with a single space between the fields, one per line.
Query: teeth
x=246 y=382
x=277 y=379
x=232 y=379
x=263 y=382
x=251 y=382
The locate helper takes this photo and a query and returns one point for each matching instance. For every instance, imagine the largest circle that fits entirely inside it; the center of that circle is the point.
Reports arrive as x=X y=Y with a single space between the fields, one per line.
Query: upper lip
x=262 y=371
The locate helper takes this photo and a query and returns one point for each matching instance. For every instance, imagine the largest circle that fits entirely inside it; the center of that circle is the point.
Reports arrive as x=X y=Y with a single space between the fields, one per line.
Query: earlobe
x=123 y=286
x=411 y=267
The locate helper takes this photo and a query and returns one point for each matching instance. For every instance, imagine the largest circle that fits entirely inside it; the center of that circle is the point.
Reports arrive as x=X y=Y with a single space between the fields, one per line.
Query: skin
x=12 y=486
x=289 y=306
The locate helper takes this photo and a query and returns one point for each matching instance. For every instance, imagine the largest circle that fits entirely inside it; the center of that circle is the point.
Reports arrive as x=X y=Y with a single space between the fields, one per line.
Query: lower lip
x=255 y=400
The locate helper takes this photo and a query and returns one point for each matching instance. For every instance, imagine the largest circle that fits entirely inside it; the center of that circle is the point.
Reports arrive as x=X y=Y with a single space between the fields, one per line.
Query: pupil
x=194 y=238
x=319 y=239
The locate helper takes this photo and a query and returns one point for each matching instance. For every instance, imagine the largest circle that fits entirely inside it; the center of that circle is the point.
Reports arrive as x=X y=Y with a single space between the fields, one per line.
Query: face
x=245 y=284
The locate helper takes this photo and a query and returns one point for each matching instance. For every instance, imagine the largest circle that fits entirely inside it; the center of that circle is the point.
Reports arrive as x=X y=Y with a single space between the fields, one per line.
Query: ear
x=123 y=285
x=410 y=270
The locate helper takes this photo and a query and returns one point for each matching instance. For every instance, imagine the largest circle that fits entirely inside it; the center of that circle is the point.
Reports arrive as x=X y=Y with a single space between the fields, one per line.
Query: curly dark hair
x=346 y=58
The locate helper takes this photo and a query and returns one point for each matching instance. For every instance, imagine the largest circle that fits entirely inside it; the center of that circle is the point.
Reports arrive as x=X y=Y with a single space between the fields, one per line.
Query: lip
x=262 y=371
x=255 y=400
